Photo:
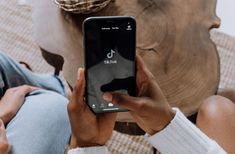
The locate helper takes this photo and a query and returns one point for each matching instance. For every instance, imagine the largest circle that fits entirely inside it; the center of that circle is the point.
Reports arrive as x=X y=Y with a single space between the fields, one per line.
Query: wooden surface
x=172 y=37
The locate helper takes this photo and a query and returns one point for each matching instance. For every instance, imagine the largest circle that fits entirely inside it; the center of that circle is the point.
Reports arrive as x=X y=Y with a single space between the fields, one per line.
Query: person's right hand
x=150 y=108
x=88 y=129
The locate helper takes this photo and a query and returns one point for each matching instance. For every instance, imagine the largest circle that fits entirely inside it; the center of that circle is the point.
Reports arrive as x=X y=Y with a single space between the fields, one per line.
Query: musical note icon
x=110 y=54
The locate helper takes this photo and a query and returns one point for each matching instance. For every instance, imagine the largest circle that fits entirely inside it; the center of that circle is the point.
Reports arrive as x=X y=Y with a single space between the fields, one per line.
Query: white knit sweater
x=180 y=136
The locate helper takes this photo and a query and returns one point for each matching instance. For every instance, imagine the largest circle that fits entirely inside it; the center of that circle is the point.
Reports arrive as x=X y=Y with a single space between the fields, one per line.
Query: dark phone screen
x=109 y=60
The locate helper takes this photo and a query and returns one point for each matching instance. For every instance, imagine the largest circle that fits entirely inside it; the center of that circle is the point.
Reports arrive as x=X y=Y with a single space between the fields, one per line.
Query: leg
x=12 y=75
x=216 y=118
x=41 y=126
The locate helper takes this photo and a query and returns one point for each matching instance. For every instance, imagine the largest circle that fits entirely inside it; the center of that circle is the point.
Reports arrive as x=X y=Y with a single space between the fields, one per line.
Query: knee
x=4 y=61
x=215 y=108
x=3 y=57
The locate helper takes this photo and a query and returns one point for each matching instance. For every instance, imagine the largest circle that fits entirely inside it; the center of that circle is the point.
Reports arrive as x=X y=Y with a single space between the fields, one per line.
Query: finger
x=79 y=89
x=140 y=63
x=122 y=100
x=142 y=68
x=5 y=147
x=2 y=131
x=25 y=89
x=1 y=124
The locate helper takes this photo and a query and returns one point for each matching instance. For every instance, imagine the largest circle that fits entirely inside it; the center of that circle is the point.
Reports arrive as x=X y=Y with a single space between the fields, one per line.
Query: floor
x=226 y=12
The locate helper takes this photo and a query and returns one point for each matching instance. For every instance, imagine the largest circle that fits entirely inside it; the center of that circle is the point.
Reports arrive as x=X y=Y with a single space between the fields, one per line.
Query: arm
x=90 y=132
x=88 y=150
x=12 y=100
x=10 y=103
x=171 y=131
x=151 y=112
x=4 y=146
x=181 y=136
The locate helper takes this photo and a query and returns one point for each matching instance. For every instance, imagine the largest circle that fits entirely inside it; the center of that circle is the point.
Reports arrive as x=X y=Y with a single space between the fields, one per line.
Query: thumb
x=5 y=147
x=123 y=100
x=79 y=89
x=2 y=131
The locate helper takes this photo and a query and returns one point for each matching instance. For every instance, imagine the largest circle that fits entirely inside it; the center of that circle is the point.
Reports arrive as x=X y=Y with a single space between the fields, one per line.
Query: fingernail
x=79 y=73
x=107 y=97
x=36 y=88
x=1 y=122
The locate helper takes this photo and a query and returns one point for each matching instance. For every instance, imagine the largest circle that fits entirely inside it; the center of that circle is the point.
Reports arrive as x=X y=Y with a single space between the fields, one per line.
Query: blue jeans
x=41 y=126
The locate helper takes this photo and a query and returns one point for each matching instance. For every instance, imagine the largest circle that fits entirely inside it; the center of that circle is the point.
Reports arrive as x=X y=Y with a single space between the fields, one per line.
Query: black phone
x=110 y=50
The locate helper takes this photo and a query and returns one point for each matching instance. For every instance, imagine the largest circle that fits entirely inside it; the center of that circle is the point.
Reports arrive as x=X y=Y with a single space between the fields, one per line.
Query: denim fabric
x=41 y=126
x=12 y=74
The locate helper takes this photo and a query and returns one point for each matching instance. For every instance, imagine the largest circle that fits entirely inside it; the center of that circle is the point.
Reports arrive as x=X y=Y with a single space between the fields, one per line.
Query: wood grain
x=172 y=37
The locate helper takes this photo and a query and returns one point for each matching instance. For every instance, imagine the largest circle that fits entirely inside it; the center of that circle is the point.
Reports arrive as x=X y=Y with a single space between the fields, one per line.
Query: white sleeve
x=89 y=150
x=182 y=136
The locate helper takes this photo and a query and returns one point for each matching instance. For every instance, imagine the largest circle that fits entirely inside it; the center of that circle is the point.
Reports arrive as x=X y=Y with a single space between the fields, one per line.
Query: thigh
x=216 y=118
x=41 y=126
x=12 y=74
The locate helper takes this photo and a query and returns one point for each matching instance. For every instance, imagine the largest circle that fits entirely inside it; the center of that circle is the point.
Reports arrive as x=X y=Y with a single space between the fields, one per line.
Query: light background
x=226 y=12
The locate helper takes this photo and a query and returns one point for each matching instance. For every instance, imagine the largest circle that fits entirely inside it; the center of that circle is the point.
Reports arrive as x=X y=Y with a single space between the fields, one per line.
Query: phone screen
x=109 y=60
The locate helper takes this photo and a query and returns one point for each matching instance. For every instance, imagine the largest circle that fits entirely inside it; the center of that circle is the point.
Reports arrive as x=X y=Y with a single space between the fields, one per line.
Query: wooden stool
x=172 y=37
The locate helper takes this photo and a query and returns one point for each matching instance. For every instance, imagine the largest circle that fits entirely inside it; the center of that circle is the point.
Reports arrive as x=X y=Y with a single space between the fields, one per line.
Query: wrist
x=5 y=116
x=75 y=143
x=169 y=115
x=4 y=145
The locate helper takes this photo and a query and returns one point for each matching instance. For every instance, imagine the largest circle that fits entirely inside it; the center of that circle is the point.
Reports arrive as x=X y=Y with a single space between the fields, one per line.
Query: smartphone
x=110 y=49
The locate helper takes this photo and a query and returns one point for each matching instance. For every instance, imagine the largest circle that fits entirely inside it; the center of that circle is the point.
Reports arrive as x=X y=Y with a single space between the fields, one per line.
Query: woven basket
x=82 y=6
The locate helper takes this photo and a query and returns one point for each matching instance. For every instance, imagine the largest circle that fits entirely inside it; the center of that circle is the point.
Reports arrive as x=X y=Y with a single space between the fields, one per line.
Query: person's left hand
x=4 y=146
x=12 y=100
x=88 y=129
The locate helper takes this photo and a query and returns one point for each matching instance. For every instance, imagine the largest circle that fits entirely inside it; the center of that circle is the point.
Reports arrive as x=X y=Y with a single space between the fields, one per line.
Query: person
x=33 y=111
x=167 y=128
x=38 y=122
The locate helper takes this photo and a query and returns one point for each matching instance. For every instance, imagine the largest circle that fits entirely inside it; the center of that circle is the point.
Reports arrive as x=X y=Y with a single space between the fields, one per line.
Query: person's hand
x=88 y=129
x=150 y=108
x=4 y=146
x=12 y=100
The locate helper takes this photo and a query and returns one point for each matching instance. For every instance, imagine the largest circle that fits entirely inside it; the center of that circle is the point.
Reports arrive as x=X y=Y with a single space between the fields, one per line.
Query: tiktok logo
x=110 y=54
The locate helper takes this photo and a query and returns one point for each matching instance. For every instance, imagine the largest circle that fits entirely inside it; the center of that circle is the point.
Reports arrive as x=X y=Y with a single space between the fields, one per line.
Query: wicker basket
x=82 y=6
